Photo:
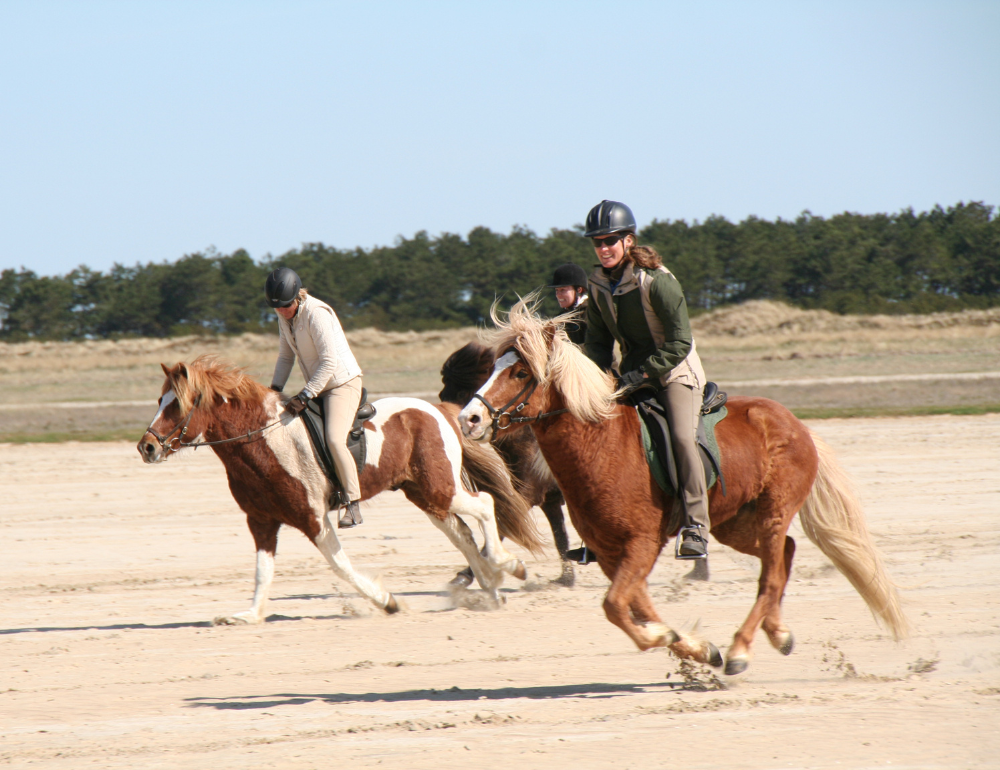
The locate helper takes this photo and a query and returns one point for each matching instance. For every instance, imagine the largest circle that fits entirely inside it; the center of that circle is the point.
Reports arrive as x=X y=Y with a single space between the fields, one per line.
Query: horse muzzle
x=151 y=450
x=475 y=423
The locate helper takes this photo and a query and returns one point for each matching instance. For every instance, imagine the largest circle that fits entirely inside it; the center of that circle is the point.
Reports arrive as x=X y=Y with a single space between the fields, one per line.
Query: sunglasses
x=609 y=240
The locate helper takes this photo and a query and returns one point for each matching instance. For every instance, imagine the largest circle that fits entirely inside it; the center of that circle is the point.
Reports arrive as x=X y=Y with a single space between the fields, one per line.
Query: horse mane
x=464 y=372
x=208 y=377
x=554 y=360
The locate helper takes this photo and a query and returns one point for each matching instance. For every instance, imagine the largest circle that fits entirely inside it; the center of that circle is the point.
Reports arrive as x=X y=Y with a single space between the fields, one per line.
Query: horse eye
x=521 y=375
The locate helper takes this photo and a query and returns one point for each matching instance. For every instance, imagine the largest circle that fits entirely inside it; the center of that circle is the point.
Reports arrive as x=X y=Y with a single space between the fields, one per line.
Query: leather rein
x=167 y=442
x=498 y=415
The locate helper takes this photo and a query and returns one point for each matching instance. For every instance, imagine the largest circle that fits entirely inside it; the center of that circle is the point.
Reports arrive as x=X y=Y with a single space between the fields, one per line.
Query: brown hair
x=643 y=256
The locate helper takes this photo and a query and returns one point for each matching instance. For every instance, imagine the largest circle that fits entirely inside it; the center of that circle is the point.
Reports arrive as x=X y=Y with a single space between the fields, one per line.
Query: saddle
x=656 y=437
x=314 y=418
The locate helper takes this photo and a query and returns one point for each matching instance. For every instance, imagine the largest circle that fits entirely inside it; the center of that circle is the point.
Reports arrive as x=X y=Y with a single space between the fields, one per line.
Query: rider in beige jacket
x=309 y=330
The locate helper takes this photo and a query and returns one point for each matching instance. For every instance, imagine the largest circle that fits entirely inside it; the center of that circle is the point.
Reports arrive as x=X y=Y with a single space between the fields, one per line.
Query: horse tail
x=488 y=472
x=833 y=519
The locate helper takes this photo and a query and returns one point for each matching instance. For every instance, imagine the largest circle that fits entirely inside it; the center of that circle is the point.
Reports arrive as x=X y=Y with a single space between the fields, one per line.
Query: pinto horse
x=276 y=477
x=773 y=466
x=462 y=374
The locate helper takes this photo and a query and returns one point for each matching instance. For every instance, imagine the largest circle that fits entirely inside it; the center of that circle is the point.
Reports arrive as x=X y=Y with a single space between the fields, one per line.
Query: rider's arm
x=323 y=331
x=286 y=357
x=667 y=299
x=599 y=342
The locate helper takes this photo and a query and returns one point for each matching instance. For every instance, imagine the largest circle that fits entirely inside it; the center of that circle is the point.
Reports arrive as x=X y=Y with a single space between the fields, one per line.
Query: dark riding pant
x=683 y=405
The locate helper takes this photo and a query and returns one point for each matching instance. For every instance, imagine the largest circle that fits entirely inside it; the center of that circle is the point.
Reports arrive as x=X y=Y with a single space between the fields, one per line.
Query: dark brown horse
x=773 y=466
x=463 y=373
x=276 y=477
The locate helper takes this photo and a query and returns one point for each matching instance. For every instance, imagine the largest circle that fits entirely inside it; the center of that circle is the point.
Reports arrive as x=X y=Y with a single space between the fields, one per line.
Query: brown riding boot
x=351 y=517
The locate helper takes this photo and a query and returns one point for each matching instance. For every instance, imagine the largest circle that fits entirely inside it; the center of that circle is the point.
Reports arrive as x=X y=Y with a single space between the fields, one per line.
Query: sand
x=114 y=570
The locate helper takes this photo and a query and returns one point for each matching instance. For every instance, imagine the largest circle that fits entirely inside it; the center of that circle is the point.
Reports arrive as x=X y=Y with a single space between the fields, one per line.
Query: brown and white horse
x=773 y=466
x=276 y=478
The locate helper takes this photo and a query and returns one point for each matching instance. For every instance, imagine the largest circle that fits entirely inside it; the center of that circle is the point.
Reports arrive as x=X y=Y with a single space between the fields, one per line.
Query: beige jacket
x=315 y=337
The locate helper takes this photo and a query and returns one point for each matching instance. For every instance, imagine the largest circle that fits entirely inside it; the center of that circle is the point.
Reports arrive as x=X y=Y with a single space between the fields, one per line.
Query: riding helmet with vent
x=609 y=217
x=282 y=287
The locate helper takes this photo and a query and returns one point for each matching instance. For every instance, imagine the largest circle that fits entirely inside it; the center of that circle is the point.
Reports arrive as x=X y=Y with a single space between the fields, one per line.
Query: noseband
x=501 y=415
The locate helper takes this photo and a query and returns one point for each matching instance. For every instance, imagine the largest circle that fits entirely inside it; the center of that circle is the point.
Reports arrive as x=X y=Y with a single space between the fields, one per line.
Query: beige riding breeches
x=340 y=405
x=683 y=405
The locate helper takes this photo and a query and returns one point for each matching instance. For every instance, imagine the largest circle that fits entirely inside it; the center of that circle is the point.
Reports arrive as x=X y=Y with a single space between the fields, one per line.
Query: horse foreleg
x=265 y=536
x=552 y=508
x=628 y=595
x=329 y=545
x=458 y=532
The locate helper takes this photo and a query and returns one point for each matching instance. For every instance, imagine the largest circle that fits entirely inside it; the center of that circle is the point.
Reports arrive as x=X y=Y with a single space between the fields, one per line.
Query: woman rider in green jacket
x=639 y=303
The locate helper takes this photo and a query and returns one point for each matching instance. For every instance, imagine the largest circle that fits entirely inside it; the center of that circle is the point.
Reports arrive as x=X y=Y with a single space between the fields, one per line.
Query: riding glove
x=632 y=379
x=297 y=403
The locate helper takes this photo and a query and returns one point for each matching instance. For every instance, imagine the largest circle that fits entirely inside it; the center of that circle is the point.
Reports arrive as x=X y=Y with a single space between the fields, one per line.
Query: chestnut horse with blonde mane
x=773 y=466
x=276 y=477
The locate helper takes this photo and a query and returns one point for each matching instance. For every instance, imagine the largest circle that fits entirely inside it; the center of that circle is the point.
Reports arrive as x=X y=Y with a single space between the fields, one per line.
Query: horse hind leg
x=480 y=507
x=329 y=545
x=265 y=535
x=552 y=508
x=458 y=532
x=768 y=542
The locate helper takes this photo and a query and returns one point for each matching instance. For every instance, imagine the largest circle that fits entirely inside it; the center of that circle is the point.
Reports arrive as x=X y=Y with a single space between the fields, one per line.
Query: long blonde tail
x=488 y=472
x=832 y=518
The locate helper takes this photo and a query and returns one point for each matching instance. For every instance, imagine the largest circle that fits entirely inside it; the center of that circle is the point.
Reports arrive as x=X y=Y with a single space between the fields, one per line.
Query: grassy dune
x=739 y=345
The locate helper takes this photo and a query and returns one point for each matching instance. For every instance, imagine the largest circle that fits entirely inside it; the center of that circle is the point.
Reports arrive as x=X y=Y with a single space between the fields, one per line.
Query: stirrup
x=351 y=516
x=581 y=555
x=697 y=531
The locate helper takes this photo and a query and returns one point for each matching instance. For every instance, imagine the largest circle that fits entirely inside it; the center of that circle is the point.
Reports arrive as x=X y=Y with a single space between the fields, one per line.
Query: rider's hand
x=297 y=403
x=632 y=379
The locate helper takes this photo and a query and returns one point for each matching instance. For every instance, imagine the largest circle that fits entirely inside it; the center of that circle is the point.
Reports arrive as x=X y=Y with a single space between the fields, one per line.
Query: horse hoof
x=462 y=580
x=391 y=606
x=736 y=666
x=520 y=571
x=714 y=656
x=568 y=576
x=232 y=620
x=699 y=571
x=786 y=648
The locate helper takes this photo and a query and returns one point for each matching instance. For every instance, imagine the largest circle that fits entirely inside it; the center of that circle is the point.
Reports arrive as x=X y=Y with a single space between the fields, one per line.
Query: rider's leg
x=683 y=404
x=340 y=406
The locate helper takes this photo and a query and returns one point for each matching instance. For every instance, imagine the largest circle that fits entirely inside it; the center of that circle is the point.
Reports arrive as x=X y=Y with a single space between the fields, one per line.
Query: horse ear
x=181 y=370
x=166 y=370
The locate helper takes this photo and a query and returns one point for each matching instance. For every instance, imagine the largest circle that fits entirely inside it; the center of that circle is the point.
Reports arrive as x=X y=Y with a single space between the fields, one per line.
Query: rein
x=167 y=442
x=498 y=414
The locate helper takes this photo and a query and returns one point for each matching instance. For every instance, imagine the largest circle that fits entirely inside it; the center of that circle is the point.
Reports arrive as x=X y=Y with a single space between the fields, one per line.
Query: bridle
x=498 y=415
x=167 y=442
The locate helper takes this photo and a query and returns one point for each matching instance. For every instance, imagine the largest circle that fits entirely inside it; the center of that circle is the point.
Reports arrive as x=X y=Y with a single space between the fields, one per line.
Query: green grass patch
x=891 y=411
x=59 y=437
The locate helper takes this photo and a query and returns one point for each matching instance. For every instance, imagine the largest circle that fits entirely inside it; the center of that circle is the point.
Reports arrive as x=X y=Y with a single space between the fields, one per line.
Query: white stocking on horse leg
x=329 y=545
x=261 y=589
x=458 y=532
x=480 y=507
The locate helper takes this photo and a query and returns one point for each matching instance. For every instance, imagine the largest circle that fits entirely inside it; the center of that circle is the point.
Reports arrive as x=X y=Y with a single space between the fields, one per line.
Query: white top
x=315 y=337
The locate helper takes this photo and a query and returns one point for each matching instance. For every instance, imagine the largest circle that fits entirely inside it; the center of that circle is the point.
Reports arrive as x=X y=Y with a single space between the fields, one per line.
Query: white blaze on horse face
x=165 y=400
x=480 y=431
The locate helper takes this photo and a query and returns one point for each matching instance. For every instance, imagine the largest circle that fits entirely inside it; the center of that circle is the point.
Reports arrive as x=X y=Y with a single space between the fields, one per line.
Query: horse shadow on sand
x=451 y=695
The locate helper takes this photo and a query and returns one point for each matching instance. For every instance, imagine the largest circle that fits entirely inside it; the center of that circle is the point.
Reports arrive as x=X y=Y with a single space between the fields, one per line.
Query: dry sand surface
x=113 y=571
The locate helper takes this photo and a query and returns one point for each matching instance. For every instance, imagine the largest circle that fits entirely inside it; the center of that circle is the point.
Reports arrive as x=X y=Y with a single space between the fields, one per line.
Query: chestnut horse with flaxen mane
x=773 y=466
x=276 y=477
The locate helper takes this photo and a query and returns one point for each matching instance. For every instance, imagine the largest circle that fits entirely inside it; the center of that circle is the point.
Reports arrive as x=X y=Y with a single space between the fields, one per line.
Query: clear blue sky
x=143 y=131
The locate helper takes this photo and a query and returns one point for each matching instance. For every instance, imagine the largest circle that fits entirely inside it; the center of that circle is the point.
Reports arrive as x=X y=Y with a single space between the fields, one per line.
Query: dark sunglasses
x=609 y=240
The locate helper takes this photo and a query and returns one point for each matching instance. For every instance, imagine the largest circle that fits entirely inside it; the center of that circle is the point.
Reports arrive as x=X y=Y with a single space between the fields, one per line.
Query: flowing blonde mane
x=209 y=377
x=554 y=360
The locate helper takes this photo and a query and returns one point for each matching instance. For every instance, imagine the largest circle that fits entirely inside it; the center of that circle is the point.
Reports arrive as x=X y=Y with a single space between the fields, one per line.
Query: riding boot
x=692 y=543
x=351 y=517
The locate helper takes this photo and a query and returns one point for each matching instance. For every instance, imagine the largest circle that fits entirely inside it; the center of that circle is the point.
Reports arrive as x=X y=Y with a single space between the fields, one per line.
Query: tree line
x=944 y=259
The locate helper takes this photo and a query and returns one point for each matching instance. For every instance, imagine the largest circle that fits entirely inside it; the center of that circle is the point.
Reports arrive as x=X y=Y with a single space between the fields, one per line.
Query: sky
x=135 y=132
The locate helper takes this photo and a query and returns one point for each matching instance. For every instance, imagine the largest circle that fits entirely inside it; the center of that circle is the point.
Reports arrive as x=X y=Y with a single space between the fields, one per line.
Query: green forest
x=944 y=259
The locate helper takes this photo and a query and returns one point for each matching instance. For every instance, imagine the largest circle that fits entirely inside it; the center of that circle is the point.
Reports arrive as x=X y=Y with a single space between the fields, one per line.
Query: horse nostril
x=474 y=419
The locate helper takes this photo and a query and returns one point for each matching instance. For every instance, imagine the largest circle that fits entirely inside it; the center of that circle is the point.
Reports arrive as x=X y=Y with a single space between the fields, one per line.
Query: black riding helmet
x=282 y=287
x=569 y=275
x=609 y=217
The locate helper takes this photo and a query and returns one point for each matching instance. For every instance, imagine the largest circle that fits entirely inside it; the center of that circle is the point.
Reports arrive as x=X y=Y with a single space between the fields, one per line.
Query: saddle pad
x=708 y=445
x=313 y=417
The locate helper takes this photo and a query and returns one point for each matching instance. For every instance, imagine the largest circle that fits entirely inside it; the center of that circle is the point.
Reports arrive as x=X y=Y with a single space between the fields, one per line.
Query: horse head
x=539 y=374
x=188 y=401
